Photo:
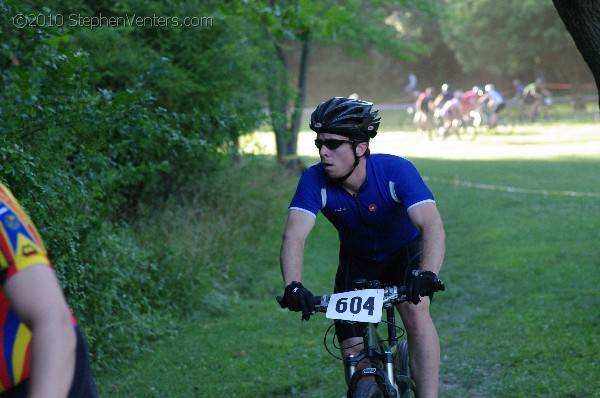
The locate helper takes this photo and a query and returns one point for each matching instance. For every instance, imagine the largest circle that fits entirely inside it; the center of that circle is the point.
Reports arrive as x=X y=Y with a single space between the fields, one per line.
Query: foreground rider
x=388 y=223
x=43 y=352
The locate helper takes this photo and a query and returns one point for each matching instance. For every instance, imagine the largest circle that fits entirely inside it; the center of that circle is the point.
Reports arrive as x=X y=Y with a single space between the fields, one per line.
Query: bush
x=81 y=161
x=87 y=147
x=117 y=292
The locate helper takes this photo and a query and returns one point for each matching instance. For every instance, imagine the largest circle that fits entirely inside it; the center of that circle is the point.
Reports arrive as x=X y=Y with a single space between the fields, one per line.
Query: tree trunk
x=278 y=100
x=302 y=82
x=581 y=20
x=286 y=134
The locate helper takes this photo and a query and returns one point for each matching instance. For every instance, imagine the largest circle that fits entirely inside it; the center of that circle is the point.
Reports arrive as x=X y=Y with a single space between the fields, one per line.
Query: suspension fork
x=370 y=345
x=350 y=363
x=389 y=359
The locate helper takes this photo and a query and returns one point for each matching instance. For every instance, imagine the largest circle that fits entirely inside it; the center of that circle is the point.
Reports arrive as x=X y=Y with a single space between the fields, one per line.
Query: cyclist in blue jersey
x=388 y=224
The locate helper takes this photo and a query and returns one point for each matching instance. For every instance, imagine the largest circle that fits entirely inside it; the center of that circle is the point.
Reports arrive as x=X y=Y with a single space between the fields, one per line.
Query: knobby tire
x=367 y=389
x=402 y=371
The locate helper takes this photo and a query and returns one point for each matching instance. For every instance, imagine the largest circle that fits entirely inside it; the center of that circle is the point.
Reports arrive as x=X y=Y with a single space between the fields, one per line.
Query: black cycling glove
x=423 y=283
x=299 y=298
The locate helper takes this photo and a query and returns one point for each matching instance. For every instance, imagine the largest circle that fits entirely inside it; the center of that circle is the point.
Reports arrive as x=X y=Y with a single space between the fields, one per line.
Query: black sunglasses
x=330 y=143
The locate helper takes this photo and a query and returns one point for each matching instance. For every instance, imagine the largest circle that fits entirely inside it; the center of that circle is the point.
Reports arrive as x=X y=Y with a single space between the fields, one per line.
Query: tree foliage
x=510 y=38
x=358 y=26
x=207 y=70
x=96 y=123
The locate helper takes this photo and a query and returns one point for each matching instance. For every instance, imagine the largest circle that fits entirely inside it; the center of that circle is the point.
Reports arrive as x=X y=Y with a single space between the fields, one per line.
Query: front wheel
x=403 y=380
x=367 y=388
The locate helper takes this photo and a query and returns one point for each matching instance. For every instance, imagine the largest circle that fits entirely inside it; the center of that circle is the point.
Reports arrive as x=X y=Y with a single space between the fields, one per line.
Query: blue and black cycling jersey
x=373 y=224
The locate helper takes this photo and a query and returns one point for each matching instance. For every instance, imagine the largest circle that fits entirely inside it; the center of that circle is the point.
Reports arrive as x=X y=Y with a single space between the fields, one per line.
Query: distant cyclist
x=534 y=95
x=451 y=114
x=493 y=102
x=445 y=95
x=423 y=109
x=470 y=106
x=440 y=100
x=43 y=353
x=518 y=94
x=470 y=99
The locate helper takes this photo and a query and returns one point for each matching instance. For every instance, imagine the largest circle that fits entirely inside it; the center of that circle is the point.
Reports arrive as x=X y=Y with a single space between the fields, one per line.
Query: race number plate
x=358 y=305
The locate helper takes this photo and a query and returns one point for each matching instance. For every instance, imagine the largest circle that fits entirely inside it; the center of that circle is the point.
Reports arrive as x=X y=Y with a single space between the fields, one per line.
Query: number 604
x=355 y=305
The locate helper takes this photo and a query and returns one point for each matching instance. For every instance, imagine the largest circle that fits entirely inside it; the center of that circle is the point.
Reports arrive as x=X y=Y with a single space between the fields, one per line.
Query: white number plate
x=358 y=305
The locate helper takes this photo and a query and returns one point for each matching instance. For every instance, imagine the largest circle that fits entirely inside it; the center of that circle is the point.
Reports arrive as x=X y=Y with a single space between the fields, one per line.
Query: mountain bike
x=387 y=374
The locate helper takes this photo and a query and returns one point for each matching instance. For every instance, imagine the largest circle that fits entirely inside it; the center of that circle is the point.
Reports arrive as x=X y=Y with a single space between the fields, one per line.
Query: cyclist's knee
x=415 y=317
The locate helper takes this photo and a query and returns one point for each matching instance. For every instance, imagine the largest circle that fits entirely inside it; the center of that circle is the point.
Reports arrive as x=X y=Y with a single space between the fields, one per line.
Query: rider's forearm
x=434 y=248
x=291 y=259
x=53 y=358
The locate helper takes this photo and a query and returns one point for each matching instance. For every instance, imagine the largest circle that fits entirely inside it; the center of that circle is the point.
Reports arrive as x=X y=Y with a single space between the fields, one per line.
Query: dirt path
x=534 y=143
x=531 y=142
x=554 y=142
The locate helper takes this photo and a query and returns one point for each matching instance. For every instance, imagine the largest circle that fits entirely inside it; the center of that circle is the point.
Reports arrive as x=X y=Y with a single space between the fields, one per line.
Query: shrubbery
x=83 y=160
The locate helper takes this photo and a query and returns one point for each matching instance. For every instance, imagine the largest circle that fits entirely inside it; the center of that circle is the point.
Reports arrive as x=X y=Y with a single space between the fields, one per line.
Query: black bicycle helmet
x=351 y=118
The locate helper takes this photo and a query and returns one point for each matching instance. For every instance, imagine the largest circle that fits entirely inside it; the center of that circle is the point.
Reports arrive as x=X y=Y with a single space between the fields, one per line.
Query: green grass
x=522 y=305
x=520 y=316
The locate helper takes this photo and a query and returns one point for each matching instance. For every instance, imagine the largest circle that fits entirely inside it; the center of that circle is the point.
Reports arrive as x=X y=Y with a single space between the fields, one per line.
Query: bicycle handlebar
x=392 y=294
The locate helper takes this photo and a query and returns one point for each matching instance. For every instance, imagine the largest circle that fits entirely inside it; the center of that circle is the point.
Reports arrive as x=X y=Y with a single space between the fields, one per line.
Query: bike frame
x=374 y=348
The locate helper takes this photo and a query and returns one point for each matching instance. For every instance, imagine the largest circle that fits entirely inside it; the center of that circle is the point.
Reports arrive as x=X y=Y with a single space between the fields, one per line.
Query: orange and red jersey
x=20 y=247
x=469 y=100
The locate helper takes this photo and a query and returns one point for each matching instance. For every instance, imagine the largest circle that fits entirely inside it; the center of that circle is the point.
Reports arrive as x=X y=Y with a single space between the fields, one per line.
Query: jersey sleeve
x=409 y=186
x=310 y=192
x=20 y=242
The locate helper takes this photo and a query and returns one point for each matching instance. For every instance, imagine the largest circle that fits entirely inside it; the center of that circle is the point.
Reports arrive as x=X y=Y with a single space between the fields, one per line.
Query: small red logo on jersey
x=372 y=207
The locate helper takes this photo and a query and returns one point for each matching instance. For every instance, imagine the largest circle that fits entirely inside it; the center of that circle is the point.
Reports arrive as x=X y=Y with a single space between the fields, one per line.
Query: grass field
x=521 y=313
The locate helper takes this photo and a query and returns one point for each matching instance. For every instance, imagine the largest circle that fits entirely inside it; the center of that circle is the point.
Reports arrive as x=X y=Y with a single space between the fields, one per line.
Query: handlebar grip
x=315 y=299
x=440 y=286
x=280 y=301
